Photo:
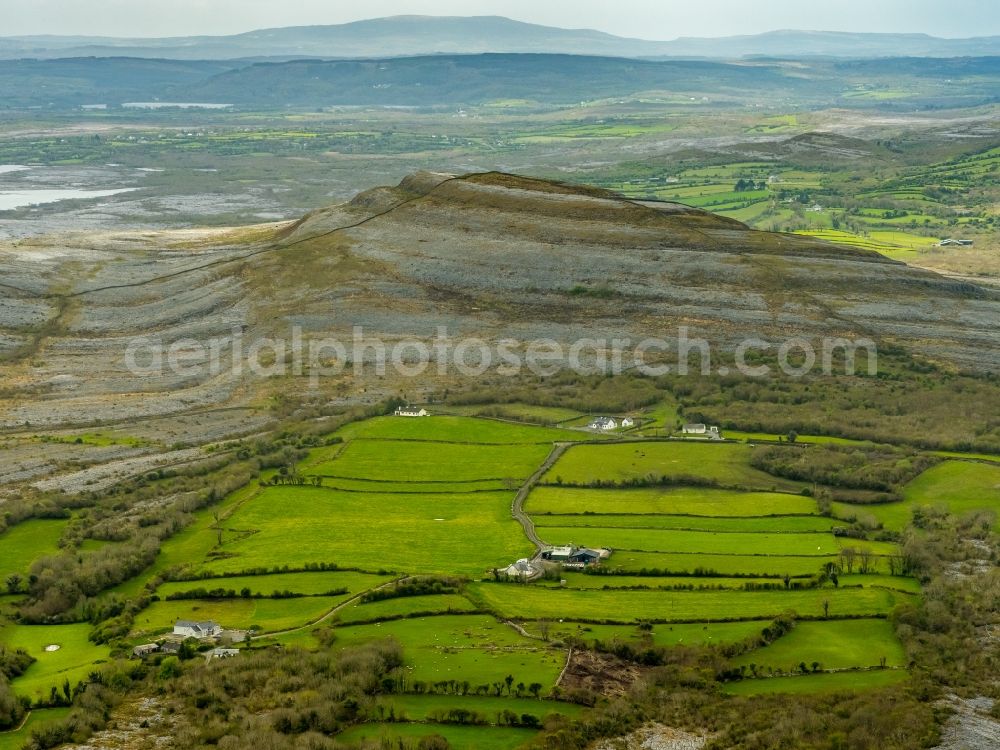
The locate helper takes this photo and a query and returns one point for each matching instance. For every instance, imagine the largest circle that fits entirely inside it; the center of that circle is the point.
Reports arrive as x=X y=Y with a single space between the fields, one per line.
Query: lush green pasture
x=693 y=501
x=415 y=488
x=835 y=644
x=190 y=546
x=312 y=583
x=267 y=614
x=533 y=603
x=774 y=524
x=726 y=565
x=423 y=707
x=819 y=683
x=458 y=737
x=900 y=583
x=769 y=437
x=476 y=648
x=14 y=740
x=73 y=661
x=24 y=543
x=445 y=533
x=543 y=415
x=961 y=486
x=404 y=607
x=696 y=542
x=461 y=429
x=726 y=463
x=665 y=634
x=582 y=581
x=409 y=460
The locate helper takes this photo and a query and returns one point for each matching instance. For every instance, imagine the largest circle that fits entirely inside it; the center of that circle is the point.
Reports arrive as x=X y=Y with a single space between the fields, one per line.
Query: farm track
x=333 y=610
x=517 y=506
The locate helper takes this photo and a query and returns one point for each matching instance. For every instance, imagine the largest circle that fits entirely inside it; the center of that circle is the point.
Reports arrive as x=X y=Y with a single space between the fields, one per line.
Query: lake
x=12 y=199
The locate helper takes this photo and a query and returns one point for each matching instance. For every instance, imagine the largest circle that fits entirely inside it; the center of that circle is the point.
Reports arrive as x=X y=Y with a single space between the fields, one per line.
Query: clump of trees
x=870 y=467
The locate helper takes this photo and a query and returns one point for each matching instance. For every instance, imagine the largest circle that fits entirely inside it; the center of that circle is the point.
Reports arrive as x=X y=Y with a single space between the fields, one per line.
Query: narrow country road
x=517 y=507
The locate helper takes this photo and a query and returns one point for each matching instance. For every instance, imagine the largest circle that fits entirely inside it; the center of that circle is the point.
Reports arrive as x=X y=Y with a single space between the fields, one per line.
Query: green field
x=841 y=644
x=704 y=542
x=405 y=606
x=688 y=501
x=532 y=603
x=475 y=648
x=819 y=683
x=74 y=660
x=960 y=486
x=458 y=737
x=423 y=707
x=664 y=635
x=629 y=561
x=440 y=533
x=26 y=542
x=310 y=583
x=267 y=614
x=749 y=524
x=414 y=461
x=575 y=580
x=725 y=463
x=14 y=740
x=462 y=429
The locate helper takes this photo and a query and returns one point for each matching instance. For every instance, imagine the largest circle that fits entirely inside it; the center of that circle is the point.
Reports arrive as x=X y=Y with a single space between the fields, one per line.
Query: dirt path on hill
x=517 y=506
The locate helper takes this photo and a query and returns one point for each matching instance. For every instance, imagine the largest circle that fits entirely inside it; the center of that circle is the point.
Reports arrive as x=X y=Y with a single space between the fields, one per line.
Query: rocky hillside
x=491 y=255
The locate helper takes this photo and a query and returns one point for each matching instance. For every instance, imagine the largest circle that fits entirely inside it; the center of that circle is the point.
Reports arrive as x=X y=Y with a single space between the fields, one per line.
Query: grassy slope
x=695 y=501
x=296 y=525
x=26 y=542
x=678 y=606
x=74 y=660
x=725 y=463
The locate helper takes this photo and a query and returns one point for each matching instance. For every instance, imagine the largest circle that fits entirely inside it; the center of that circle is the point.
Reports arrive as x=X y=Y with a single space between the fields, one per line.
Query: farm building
x=573 y=555
x=411 y=411
x=702 y=430
x=628 y=422
x=953 y=242
x=145 y=650
x=523 y=569
x=222 y=653
x=200 y=630
x=603 y=423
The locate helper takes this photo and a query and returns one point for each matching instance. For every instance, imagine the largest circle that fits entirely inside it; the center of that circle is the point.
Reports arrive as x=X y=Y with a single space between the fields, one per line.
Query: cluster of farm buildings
x=206 y=631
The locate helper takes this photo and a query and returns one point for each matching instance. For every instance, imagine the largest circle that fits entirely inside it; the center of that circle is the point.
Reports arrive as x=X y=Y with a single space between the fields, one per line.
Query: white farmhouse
x=199 y=630
x=603 y=423
x=411 y=411
x=701 y=430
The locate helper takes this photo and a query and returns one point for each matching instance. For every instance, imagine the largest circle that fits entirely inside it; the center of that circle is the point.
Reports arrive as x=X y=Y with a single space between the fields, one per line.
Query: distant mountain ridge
x=449 y=80
x=425 y=35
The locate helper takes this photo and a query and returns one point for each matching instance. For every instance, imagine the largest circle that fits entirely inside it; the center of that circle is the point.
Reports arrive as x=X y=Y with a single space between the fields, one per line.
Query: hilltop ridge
x=490 y=255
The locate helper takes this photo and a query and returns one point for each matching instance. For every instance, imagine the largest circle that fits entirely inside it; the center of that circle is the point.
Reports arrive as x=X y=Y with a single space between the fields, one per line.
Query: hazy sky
x=649 y=19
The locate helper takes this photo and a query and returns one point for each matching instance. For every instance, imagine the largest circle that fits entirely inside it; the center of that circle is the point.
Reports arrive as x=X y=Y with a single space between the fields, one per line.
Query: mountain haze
x=424 y=35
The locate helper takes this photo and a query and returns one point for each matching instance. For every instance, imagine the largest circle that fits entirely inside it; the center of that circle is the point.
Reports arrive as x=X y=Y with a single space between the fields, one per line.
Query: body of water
x=13 y=199
x=181 y=105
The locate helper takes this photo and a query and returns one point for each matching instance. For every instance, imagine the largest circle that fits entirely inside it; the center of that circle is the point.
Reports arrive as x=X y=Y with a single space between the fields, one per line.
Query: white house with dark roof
x=603 y=423
x=411 y=411
x=199 y=630
x=702 y=430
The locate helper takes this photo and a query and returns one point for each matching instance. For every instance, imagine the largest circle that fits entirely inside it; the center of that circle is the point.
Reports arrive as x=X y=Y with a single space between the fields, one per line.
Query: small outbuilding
x=222 y=653
x=144 y=650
